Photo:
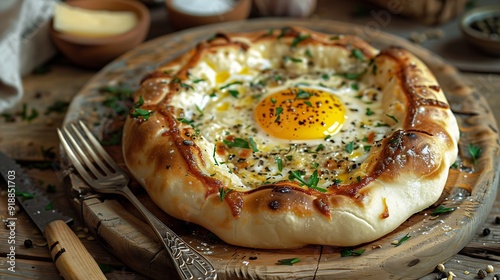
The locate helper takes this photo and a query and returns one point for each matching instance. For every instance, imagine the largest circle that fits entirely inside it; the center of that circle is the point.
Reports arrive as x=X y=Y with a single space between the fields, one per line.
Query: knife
x=67 y=251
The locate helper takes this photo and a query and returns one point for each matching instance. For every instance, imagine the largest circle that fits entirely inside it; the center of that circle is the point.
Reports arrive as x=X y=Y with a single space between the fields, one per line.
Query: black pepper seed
x=28 y=243
x=274 y=205
x=188 y=142
x=486 y=232
x=252 y=258
x=482 y=273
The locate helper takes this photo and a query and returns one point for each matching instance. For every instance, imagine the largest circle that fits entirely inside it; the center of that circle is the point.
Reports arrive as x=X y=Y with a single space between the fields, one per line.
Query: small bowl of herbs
x=481 y=27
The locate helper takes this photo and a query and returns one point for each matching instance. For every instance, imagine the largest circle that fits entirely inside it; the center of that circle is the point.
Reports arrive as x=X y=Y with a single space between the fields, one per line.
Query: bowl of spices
x=481 y=27
x=93 y=33
x=184 y=14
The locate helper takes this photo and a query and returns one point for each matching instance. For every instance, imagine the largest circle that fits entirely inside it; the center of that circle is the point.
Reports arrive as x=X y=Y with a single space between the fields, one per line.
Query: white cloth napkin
x=24 y=44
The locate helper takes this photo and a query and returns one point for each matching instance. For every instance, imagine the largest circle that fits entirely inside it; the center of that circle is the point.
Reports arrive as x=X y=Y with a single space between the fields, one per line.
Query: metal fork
x=100 y=171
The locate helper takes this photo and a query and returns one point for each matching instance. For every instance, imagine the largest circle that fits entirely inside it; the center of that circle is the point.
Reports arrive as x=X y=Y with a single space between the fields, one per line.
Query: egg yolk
x=300 y=114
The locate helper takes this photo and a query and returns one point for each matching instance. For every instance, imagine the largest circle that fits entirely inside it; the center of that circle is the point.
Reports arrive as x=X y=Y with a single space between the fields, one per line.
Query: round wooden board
x=470 y=189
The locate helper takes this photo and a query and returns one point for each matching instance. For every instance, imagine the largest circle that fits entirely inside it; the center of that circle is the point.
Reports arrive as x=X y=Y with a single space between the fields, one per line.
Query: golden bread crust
x=403 y=174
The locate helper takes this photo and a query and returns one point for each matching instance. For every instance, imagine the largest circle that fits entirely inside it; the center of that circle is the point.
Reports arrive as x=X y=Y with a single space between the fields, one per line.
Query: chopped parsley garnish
x=367 y=148
x=292 y=59
x=230 y=84
x=299 y=39
x=223 y=192
x=350 y=147
x=186 y=121
x=312 y=183
x=184 y=85
x=242 y=143
x=441 y=209
x=215 y=158
x=288 y=261
x=309 y=104
x=369 y=112
x=302 y=94
x=57 y=107
x=31 y=116
x=351 y=252
x=402 y=240
x=320 y=148
x=474 y=152
x=49 y=206
x=381 y=124
x=308 y=53
x=358 y=54
x=325 y=76
x=234 y=93
x=353 y=76
x=253 y=145
x=355 y=86
x=195 y=81
x=138 y=112
x=279 y=162
x=25 y=194
x=393 y=118
x=279 y=110
x=337 y=181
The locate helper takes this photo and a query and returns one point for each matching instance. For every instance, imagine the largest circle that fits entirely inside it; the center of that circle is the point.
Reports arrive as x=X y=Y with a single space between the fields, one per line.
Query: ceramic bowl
x=94 y=53
x=488 y=43
x=181 y=19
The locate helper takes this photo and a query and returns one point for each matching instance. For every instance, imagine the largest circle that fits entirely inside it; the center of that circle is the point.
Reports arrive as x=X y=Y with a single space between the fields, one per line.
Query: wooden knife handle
x=68 y=253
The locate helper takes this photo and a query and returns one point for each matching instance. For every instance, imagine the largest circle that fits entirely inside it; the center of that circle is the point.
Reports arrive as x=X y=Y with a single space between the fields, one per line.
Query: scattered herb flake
x=233 y=93
x=358 y=54
x=402 y=240
x=223 y=192
x=442 y=209
x=299 y=39
x=369 y=112
x=474 y=152
x=57 y=107
x=253 y=145
x=393 y=118
x=292 y=59
x=350 y=252
x=237 y=143
x=279 y=162
x=230 y=84
x=288 y=261
x=279 y=110
x=311 y=183
x=25 y=194
x=308 y=53
x=350 y=147
x=49 y=206
x=302 y=94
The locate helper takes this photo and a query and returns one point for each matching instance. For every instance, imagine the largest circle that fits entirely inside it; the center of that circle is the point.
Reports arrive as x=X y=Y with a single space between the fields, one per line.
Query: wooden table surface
x=33 y=142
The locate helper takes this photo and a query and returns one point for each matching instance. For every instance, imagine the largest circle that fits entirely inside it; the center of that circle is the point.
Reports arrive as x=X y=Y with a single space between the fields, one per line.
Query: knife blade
x=67 y=251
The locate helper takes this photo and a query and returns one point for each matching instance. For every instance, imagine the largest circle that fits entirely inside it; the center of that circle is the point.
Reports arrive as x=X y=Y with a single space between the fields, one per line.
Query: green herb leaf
x=358 y=54
x=311 y=183
x=350 y=147
x=393 y=118
x=234 y=93
x=49 y=206
x=350 y=252
x=292 y=59
x=441 y=209
x=57 y=107
x=237 y=143
x=320 y=148
x=279 y=110
x=337 y=181
x=299 y=39
x=402 y=240
x=474 y=152
x=288 y=261
x=369 y=112
x=353 y=76
x=279 y=162
x=253 y=145
x=355 y=86
x=308 y=53
x=230 y=84
x=25 y=194
x=367 y=148
x=223 y=192
x=302 y=94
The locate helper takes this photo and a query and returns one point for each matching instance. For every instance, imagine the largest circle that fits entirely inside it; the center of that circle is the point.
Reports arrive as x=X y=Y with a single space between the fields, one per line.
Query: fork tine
x=82 y=155
x=74 y=158
x=97 y=146
x=90 y=150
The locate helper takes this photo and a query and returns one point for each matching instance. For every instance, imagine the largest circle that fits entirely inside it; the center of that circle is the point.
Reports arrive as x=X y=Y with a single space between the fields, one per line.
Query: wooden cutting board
x=471 y=189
